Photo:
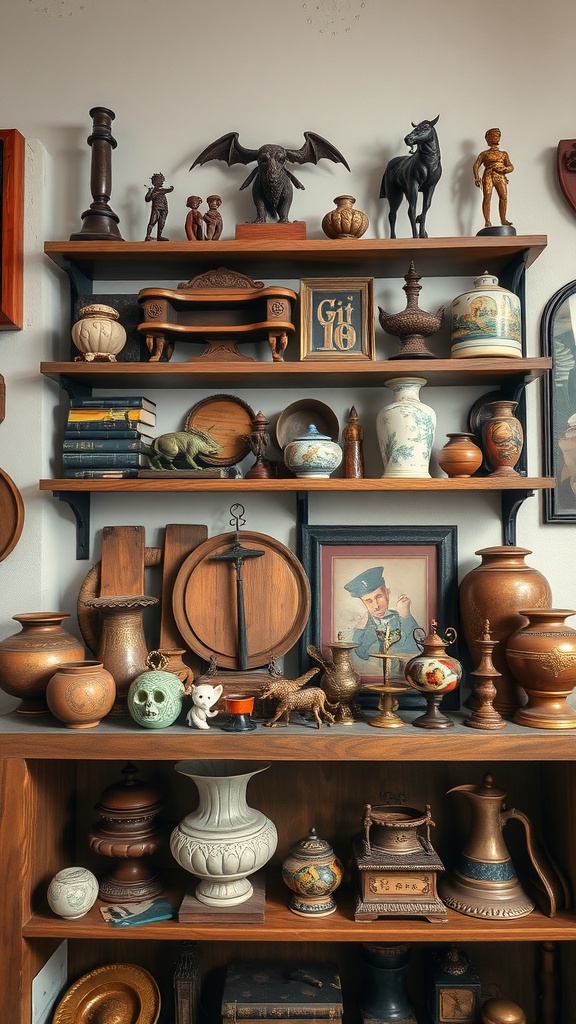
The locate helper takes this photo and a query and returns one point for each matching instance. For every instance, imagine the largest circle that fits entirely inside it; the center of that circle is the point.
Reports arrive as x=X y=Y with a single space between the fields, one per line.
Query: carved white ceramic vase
x=405 y=429
x=224 y=840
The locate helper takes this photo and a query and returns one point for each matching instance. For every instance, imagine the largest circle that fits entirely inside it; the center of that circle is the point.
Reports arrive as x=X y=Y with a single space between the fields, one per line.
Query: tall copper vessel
x=484 y=882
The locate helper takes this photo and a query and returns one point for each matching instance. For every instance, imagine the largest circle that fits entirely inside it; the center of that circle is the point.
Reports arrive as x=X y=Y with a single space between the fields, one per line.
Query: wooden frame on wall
x=11 y=229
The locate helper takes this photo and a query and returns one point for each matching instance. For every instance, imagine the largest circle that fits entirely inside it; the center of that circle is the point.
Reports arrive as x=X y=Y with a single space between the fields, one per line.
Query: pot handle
x=550 y=888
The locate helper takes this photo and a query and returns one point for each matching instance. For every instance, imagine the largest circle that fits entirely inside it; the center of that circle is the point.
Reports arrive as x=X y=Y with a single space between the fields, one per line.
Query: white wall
x=178 y=75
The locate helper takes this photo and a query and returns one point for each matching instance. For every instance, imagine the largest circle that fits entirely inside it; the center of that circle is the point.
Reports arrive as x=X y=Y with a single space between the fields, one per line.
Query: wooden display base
x=253 y=911
x=182 y=474
x=296 y=229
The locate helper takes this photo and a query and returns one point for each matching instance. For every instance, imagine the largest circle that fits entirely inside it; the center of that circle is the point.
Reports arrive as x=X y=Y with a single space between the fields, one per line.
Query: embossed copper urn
x=542 y=657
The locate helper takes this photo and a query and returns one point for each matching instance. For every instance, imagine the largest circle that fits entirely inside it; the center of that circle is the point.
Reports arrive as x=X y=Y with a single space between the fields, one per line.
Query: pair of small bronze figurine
x=198 y=226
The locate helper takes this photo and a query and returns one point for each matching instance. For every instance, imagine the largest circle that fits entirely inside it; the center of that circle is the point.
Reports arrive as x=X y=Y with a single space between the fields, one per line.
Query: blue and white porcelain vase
x=313 y=454
x=405 y=429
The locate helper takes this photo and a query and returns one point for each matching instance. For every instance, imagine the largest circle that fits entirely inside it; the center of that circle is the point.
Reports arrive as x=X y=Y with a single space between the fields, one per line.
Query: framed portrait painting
x=337 y=318
x=558 y=340
x=11 y=229
x=364 y=578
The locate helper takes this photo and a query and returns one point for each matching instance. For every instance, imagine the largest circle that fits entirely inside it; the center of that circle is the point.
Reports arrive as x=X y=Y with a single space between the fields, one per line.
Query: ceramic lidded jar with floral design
x=97 y=333
x=313 y=872
x=313 y=454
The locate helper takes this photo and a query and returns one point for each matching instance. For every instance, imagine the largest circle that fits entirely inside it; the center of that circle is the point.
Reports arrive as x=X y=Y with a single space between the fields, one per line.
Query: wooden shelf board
x=281 y=925
x=139 y=486
x=120 y=739
x=275 y=258
x=308 y=373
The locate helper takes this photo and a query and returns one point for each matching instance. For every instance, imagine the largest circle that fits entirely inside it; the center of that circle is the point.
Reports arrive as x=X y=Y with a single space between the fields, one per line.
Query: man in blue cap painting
x=370 y=587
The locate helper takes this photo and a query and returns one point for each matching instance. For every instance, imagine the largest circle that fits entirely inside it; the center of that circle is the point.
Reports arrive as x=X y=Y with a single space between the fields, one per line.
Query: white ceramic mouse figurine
x=203 y=697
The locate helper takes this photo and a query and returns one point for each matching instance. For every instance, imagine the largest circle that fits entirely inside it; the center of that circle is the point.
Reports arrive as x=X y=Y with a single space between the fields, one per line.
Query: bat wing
x=226 y=148
x=314 y=149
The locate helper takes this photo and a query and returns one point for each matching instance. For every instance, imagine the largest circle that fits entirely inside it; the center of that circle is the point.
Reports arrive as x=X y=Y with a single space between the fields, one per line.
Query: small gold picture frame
x=337 y=318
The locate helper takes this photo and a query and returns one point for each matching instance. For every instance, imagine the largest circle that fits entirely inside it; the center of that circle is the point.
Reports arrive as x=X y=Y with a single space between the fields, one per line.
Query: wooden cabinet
x=51 y=778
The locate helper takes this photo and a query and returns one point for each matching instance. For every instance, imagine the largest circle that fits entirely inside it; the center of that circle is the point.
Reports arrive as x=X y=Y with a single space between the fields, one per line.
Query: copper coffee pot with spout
x=484 y=882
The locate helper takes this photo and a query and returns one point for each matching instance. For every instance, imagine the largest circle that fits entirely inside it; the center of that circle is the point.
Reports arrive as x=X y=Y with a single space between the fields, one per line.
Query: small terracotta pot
x=80 y=694
x=542 y=656
x=460 y=457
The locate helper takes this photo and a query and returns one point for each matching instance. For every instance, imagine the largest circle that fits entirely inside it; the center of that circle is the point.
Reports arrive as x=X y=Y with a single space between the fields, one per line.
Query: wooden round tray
x=227 y=420
x=11 y=514
x=276 y=600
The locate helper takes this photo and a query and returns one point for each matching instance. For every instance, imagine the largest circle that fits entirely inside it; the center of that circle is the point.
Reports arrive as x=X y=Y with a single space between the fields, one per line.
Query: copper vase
x=29 y=658
x=496 y=590
x=339 y=680
x=345 y=221
x=542 y=656
x=122 y=645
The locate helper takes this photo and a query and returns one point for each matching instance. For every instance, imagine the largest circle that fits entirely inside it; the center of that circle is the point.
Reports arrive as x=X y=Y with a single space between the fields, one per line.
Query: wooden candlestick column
x=99 y=221
x=485 y=715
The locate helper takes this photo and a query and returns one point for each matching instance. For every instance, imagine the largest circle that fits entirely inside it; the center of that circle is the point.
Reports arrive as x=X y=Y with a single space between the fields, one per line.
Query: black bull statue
x=420 y=171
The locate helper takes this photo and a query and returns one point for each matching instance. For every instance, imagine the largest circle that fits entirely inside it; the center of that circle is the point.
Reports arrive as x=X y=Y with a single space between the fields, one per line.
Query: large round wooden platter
x=276 y=600
x=227 y=420
x=11 y=514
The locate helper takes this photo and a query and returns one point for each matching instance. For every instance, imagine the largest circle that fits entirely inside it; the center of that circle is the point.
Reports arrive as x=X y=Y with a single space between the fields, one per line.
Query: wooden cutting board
x=180 y=539
x=122 y=561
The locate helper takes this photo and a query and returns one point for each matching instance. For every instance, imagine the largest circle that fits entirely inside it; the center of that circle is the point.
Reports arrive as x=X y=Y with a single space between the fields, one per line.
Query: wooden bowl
x=227 y=420
x=298 y=416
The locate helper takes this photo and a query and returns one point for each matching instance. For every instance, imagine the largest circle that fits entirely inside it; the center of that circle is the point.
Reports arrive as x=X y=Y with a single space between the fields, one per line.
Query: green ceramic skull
x=155 y=699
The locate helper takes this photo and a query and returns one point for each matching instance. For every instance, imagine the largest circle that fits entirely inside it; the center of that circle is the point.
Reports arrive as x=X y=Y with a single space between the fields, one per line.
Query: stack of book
x=107 y=437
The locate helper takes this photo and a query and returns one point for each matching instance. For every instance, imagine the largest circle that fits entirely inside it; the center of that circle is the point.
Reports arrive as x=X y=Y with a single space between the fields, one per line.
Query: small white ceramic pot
x=72 y=892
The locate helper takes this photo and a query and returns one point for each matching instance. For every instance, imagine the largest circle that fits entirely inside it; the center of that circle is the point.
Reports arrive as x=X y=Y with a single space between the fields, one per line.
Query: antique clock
x=397 y=864
x=454 y=995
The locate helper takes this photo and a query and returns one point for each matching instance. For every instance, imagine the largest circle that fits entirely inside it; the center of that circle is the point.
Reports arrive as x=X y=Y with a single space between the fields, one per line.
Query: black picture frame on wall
x=558 y=341
x=421 y=559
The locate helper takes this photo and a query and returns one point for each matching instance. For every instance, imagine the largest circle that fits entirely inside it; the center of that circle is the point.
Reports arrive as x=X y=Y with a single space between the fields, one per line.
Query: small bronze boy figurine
x=497 y=165
x=156 y=195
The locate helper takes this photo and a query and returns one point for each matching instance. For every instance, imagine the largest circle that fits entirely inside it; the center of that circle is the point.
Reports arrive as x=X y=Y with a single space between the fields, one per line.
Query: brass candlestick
x=485 y=716
x=386 y=719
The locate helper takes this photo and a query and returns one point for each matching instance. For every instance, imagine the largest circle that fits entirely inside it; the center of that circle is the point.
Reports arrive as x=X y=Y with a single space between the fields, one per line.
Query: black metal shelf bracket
x=511 y=503
x=79 y=502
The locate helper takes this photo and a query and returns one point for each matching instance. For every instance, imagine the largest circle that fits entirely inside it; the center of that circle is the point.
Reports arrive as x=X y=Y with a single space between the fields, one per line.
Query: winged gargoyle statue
x=271 y=180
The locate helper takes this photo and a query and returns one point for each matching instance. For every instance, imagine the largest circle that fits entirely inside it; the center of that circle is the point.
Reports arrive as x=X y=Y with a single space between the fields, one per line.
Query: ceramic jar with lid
x=486 y=321
x=313 y=872
x=313 y=454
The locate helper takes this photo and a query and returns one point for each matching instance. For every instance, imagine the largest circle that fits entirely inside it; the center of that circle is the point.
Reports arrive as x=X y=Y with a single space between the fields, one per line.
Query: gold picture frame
x=337 y=318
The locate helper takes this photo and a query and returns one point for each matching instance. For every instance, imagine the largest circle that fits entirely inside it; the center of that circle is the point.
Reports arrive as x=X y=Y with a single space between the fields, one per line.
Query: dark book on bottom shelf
x=281 y=990
x=99 y=474
x=105 y=460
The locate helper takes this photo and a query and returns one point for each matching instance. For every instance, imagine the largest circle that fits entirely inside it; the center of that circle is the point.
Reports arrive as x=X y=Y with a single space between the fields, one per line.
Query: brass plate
x=227 y=420
x=118 y=993
x=276 y=600
x=11 y=515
